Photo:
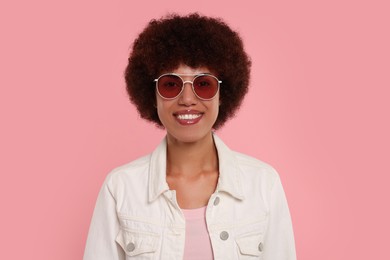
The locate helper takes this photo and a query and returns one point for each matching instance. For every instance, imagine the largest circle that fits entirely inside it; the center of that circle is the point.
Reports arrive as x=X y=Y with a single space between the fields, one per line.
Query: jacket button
x=224 y=235
x=130 y=247
x=260 y=247
x=216 y=201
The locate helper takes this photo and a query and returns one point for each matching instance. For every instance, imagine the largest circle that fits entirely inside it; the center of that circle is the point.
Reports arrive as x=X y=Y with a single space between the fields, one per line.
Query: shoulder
x=254 y=168
x=132 y=171
x=250 y=167
x=245 y=160
x=132 y=167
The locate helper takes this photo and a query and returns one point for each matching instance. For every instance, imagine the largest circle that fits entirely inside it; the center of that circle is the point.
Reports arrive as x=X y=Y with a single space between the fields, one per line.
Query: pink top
x=197 y=245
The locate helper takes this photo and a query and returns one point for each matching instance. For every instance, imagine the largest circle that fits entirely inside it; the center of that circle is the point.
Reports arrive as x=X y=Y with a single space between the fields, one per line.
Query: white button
x=130 y=247
x=216 y=201
x=224 y=235
x=260 y=247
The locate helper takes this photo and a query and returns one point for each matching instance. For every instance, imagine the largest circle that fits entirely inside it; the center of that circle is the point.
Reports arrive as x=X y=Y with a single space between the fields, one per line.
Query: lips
x=188 y=117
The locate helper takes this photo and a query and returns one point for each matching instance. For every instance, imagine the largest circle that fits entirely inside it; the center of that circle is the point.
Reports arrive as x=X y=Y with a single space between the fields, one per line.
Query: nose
x=188 y=97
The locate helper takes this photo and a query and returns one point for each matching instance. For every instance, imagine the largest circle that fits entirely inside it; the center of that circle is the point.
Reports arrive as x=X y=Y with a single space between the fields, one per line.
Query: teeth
x=188 y=116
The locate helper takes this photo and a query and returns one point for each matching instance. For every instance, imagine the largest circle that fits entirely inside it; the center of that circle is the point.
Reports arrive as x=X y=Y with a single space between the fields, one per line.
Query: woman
x=192 y=198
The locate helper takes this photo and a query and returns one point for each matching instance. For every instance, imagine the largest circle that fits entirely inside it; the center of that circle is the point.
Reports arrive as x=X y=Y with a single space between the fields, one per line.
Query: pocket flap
x=137 y=242
x=250 y=244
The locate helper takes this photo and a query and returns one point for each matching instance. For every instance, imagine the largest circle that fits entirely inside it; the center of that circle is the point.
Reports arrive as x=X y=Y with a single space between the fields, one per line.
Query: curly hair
x=195 y=41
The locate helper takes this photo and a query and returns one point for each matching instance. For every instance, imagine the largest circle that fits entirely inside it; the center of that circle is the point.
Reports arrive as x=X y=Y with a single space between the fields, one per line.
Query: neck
x=190 y=159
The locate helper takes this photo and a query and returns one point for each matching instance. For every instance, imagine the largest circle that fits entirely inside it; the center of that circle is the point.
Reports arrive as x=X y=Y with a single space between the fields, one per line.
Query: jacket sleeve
x=104 y=228
x=279 y=238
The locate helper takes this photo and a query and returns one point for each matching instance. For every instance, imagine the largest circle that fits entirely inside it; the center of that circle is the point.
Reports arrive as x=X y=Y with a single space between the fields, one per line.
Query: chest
x=193 y=191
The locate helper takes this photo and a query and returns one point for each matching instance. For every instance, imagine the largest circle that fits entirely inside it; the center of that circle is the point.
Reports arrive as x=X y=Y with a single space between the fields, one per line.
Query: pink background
x=318 y=111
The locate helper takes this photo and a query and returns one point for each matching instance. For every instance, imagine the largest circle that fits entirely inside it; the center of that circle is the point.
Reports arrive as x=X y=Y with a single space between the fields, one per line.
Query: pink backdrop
x=318 y=111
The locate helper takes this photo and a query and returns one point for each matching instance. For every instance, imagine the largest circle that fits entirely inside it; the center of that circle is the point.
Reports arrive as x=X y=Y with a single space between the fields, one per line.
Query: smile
x=188 y=116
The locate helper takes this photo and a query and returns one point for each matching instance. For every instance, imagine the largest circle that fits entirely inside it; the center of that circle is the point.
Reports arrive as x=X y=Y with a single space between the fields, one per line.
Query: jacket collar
x=229 y=173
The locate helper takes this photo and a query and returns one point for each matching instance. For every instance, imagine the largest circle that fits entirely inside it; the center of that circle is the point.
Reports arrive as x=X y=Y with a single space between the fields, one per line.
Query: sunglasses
x=170 y=85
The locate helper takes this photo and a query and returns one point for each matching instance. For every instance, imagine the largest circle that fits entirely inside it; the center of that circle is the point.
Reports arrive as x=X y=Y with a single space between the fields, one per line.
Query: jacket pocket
x=138 y=243
x=250 y=246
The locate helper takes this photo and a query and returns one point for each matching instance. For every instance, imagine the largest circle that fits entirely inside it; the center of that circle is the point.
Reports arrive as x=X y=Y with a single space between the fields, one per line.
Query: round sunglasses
x=171 y=85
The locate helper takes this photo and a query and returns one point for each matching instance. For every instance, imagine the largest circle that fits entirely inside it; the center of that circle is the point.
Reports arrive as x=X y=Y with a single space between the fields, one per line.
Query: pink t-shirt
x=197 y=245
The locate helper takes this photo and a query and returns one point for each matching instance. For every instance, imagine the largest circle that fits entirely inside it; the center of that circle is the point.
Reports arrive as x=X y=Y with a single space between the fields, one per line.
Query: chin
x=188 y=136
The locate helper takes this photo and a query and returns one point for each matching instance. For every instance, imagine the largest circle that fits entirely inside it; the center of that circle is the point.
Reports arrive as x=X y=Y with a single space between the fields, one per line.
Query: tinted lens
x=169 y=86
x=205 y=86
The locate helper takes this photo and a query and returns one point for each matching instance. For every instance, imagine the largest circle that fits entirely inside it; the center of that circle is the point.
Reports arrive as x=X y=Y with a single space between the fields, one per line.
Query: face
x=186 y=117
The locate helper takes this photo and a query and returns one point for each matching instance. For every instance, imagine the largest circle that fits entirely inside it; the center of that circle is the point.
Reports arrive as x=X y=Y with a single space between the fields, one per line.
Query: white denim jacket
x=138 y=217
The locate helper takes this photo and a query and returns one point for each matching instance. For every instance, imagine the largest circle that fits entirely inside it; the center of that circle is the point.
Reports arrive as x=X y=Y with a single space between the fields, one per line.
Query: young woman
x=192 y=197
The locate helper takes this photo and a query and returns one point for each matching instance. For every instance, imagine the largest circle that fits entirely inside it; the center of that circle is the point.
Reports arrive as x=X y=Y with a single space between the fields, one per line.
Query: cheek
x=215 y=108
x=160 y=104
x=218 y=103
x=162 y=107
x=216 y=111
x=159 y=107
